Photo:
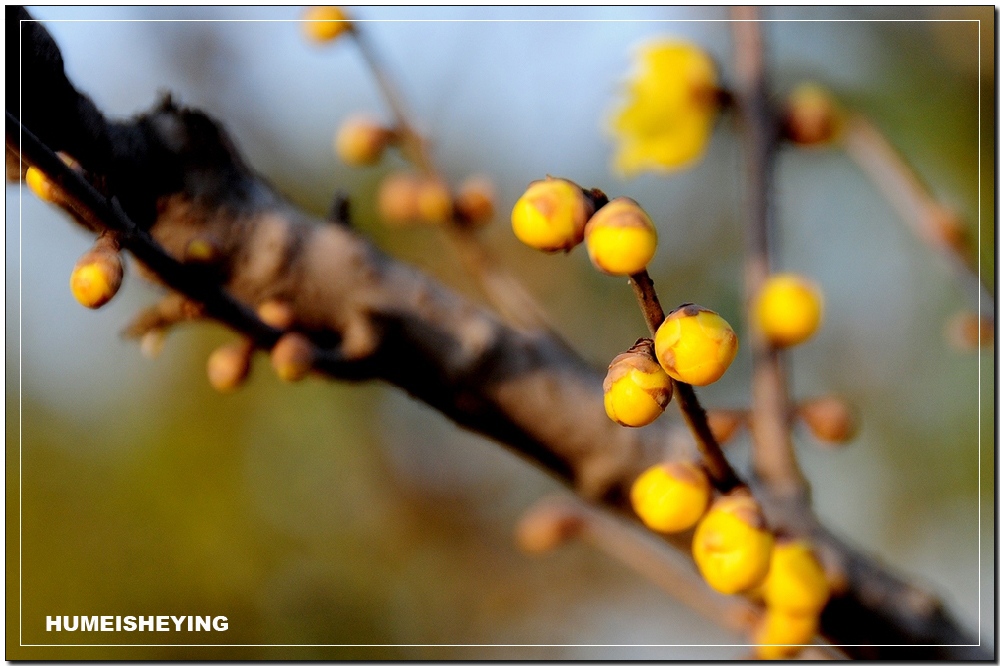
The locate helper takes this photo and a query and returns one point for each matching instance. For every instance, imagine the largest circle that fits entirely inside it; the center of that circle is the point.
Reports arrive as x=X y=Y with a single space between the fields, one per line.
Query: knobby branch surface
x=175 y=175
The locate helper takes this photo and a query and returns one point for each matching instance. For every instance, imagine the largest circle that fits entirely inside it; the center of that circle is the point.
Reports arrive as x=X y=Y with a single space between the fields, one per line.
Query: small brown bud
x=724 y=423
x=152 y=342
x=943 y=227
x=292 y=357
x=361 y=141
x=276 y=313
x=965 y=331
x=397 y=198
x=546 y=526
x=829 y=418
x=476 y=201
x=434 y=204
x=229 y=366
x=811 y=116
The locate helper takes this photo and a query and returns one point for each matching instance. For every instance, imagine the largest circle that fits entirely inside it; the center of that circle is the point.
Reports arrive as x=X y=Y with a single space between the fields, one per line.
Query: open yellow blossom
x=670 y=109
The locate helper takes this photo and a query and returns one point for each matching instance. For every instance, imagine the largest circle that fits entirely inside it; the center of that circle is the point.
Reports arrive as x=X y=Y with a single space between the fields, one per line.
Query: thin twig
x=724 y=477
x=929 y=221
x=502 y=289
x=642 y=552
x=773 y=450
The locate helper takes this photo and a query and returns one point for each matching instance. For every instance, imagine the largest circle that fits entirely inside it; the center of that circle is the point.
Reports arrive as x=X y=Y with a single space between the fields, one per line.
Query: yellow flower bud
x=44 y=188
x=781 y=635
x=695 y=345
x=671 y=497
x=361 y=141
x=229 y=366
x=788 y=309
x=475 y=201
x=292 y=357
x=636 y=389
x=324 y=24
x=397 y=198
x=796 y=582
x=811 y=116
x=551 y=214
x=621 y=239
x=98 y=274
x=731 y=546
x=201 y=250
x=829 y=418
x=278 y=314
x=434 y=204
x=40 y=184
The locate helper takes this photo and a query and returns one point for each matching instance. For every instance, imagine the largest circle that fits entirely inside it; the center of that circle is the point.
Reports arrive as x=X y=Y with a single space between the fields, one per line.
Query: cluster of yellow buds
x=693 y=345
x=736 y=553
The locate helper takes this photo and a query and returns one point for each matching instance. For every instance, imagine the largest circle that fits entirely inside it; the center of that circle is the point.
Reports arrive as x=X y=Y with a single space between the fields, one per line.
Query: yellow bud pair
x=695 y=345
x=671 y=497
x=556 y=215
x=636 y=389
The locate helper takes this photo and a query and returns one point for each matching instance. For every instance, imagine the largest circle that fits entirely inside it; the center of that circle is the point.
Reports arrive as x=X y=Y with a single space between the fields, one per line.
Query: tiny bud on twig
x=229 y=366
x=293 y=357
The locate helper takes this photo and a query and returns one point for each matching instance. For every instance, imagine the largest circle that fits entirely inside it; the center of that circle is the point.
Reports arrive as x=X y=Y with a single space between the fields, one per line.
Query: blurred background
x=334 y=514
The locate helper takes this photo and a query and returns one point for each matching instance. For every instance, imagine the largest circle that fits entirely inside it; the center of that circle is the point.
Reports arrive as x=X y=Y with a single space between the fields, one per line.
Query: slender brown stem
x=645 y=554
x=723 y=476
x=411 y=143
x=502 y=289
x=773 y=450
x=931 y=222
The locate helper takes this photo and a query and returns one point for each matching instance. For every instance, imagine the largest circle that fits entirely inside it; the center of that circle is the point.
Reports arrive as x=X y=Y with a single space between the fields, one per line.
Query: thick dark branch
x=377 y=318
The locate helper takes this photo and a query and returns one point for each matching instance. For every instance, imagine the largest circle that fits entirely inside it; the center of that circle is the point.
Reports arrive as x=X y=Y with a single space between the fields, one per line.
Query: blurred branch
x=371 y=317
x=935 y=225
x=773 y=449
x=553 y=520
